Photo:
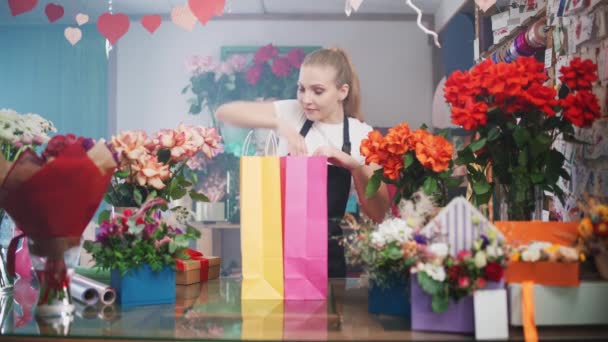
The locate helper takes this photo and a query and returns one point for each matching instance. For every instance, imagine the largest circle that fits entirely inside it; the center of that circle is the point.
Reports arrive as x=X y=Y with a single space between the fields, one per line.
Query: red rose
x=454 y=272
x=494 y=271
x=253 y=74
x=265 y=53
x=295 y=57
x=281 y=67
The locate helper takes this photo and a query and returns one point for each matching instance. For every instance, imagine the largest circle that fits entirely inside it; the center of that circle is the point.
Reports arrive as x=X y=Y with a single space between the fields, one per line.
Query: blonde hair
x=345 y=74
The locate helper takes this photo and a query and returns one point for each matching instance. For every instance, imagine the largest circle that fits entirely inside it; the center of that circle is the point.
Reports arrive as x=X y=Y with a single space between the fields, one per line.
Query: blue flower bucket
x=144 y=286
x=393 y=298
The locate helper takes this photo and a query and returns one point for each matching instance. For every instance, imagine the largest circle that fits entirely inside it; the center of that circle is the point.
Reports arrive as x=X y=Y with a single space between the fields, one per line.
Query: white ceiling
x=94 y=8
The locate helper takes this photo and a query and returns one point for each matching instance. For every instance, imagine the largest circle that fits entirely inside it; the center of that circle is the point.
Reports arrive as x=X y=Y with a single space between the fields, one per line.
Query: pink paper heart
x=219 y=7
x=183 y=17
x=113 y=26
x=54 y=12
x=21 y=6
x=72 y=34
x=82 y=19
x=202 y=9
x=151 y=22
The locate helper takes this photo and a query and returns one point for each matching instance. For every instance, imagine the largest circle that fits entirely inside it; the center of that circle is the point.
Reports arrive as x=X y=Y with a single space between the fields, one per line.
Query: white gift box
x=491 y=315
x=555 y=305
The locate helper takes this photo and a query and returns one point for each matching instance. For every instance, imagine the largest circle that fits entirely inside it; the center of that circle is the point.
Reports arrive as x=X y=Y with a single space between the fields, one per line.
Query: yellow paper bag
x=261 y=228
x=262 y=319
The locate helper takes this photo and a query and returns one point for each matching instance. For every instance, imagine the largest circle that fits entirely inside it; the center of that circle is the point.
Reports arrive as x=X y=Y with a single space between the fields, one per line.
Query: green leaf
x=172 y=247
x=430 y=185
x=164 y=154
x=104 y=215
x=408 y=159
x=454 y=182
x=537 y=178
x=198 y=196
x=522 y=158
x=428 y=284
x=493 y=134
x=393 y=252
x=122 y=174
x=185 y=89
x=440 y=302
x=194 y=178
x=137 y=196
x=481 y=188
x=372 y=186
x=478 y=145
x=521 y=136
x=465 y=156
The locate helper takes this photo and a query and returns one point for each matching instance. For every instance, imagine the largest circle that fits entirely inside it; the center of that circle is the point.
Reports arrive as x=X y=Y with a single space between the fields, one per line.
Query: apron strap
x=346 y=147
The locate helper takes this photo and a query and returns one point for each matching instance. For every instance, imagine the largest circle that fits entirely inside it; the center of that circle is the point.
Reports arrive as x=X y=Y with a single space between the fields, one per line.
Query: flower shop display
x=52 y=198
x=155 y=166
x=514 y=119
x=410 y=160
x=140 y=249
x=593 y=234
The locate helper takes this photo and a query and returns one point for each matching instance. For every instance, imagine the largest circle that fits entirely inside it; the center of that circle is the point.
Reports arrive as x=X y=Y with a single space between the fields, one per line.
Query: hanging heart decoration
x=113 y=26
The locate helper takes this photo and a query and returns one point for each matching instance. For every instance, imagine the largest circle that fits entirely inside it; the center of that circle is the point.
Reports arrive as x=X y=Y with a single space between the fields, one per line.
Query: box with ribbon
x=197 y=269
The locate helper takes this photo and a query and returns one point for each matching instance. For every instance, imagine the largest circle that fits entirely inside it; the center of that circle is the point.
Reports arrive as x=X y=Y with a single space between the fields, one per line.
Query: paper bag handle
x=271 y=141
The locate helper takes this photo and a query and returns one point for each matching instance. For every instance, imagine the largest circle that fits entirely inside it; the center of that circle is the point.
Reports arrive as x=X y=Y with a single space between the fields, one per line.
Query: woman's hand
x=296 y=146
x=337 y=157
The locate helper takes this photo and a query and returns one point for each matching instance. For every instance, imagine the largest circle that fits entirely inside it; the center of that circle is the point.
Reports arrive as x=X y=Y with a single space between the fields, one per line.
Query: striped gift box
x=459 y=224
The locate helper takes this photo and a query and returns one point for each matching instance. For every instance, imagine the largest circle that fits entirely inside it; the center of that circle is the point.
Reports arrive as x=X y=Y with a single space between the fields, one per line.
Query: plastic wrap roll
x=83 y=293
x=105 y=293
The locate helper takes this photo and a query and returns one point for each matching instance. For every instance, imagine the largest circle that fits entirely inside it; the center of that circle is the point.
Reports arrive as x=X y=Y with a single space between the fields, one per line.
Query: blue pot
x=144 y=286
x=393 y=298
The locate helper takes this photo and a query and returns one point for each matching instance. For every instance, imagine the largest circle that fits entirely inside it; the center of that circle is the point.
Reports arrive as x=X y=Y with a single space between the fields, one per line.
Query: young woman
x=325 y=120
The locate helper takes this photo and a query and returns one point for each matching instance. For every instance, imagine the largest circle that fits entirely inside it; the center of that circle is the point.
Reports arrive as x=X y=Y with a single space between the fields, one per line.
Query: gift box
x=391 y=299
x=545 y=272
x=556 y=305
x=491 y=314
x=143 y=286
x=458 y=318
x=197 y=269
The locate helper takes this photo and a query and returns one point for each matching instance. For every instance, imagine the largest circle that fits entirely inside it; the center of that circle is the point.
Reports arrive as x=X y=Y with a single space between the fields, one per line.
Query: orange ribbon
x=527 y=311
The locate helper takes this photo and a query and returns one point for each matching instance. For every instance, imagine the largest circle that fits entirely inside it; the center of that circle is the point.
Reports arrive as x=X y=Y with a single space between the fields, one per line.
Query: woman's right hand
x=296 y=146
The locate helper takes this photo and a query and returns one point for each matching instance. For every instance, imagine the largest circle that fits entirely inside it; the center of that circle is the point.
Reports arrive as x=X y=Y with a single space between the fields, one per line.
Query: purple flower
x=106 y=229
x=88 y=143
x=420 y=239
x=175 y=231
x=150 y=228
x=484 y=241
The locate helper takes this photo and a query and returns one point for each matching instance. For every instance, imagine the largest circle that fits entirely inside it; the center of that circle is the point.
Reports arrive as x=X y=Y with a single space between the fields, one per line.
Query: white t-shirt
x=321 y=134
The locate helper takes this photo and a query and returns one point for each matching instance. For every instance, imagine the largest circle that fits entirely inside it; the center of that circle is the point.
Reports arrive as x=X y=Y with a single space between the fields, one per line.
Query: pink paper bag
x=304 y=190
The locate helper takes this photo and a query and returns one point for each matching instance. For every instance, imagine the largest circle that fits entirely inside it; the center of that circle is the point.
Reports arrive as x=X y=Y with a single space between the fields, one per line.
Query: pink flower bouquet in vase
x=52 y=198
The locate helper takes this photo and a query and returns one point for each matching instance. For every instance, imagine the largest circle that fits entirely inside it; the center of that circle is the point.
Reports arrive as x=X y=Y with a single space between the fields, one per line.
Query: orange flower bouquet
x=410 y=160
x=515 y=118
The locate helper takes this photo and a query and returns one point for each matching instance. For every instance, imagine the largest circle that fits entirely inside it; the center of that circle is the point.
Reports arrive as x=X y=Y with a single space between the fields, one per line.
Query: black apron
x=338 y=189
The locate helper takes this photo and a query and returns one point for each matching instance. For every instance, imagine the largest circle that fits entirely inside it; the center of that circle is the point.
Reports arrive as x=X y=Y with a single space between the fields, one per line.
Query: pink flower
x=150 y=172
x=224 y=68
x=170 y=139
x=237 y=62
x=295 y=57
x=212 y=146
x=481 y=283
x=464 y=282
x=265 y=53
x=281 y=67
x=464 y=255
x=130 y=144
x=253 y=74
x=199 y=64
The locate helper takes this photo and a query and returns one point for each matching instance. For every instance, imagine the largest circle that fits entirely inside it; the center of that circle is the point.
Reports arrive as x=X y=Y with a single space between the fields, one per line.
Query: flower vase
x=391 y=297
x=517 y=204
x=54 y=260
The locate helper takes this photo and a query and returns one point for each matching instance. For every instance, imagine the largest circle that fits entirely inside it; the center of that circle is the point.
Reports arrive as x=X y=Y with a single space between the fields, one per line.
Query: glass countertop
x=214 y=310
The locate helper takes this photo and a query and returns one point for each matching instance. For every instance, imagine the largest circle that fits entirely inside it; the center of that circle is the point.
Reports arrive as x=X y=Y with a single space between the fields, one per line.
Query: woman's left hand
x=337 y=157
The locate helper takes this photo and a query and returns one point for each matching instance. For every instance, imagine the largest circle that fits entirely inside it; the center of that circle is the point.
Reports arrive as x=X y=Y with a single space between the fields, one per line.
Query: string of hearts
x=114 y=26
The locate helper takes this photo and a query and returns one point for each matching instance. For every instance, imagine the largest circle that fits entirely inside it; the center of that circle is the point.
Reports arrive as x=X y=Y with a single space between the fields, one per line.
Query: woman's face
x=318 y=95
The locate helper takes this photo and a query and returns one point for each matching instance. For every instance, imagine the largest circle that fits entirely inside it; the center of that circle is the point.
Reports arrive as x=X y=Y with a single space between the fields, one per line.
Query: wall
x=394 y=60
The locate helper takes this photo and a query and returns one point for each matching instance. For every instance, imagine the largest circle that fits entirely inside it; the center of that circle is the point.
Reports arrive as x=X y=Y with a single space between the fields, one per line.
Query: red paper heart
x=21 y=6
x=219 y=7
x=151 y=22
x=53 y=12
x=113 y=26
x=202 y=9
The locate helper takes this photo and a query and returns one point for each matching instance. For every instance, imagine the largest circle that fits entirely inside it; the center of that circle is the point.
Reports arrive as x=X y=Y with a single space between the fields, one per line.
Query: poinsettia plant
x=156 y=166
x=410 y=160
x=514 y=119
x=445 y=277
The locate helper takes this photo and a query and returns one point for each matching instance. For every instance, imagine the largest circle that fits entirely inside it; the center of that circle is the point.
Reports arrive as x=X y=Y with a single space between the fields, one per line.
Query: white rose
x=530 y=255
x=494 y=251
x=436 y=272
x=439 y=249
x=378 y=239
x=480 y=259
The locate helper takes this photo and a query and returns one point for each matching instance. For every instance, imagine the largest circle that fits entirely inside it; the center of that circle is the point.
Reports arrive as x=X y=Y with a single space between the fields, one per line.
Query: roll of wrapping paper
x=105 y=294
x=521 y=46
x=536 y=36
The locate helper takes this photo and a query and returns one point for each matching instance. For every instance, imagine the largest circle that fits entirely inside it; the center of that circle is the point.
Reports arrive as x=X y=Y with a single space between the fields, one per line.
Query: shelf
x=214 y=225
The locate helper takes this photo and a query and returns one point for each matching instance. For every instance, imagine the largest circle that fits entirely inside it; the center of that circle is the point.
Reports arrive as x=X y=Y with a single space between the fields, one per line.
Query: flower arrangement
x=395 y=245
x=515 y=118
x=444 y=277
x=545 y=251
x=21 y=131
x=130 y=239
x=410 y=160
x=268 y=75
x=592 y=237
x=155 y=166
